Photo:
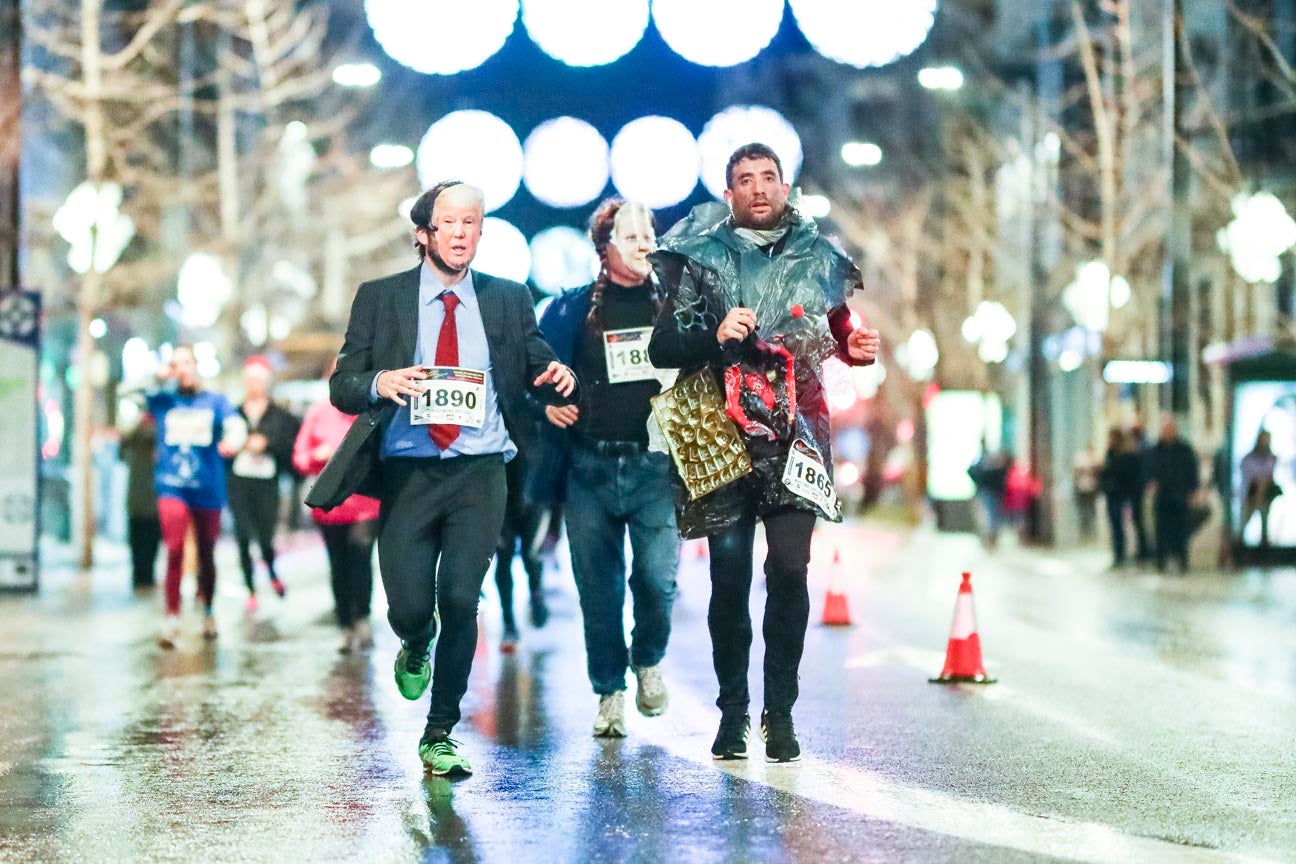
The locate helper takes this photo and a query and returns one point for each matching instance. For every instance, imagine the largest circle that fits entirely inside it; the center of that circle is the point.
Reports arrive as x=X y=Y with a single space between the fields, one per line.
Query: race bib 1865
x=806 y=476
x=453 y=396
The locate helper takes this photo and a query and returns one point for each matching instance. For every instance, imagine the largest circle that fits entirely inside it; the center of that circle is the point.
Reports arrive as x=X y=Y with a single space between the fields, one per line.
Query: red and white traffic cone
x=836 y=611
x=963 y=663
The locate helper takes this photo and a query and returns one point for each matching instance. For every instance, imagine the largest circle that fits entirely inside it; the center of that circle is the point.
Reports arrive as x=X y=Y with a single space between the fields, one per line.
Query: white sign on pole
x=19 y=482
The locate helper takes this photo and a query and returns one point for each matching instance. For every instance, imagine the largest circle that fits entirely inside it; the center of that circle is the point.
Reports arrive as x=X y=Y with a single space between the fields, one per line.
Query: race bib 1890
x=626 y=352
x=453 y=396
x=806 y=476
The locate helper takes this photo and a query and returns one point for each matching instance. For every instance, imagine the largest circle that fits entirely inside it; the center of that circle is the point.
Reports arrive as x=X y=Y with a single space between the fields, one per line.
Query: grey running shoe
x=651 y=698
x=610 y=720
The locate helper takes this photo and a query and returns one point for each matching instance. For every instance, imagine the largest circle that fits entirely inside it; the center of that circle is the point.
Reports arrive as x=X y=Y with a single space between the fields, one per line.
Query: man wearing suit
x=437 y=362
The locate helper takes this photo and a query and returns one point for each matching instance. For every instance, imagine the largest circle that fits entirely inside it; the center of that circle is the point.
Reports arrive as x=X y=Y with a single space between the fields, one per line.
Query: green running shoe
x=413 y=672
x=439 y=756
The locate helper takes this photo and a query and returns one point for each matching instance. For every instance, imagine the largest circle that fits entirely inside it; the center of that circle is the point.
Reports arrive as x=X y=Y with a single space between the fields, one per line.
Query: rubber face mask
x=634 y=237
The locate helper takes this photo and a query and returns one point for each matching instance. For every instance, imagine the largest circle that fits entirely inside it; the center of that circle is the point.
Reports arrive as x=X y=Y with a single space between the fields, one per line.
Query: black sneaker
x=779 y=737
x=731 y=739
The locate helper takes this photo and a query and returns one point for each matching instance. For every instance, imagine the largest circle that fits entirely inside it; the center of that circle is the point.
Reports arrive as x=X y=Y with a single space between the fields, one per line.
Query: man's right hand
x=395 y=383
x=562 y=417
x=736 y=325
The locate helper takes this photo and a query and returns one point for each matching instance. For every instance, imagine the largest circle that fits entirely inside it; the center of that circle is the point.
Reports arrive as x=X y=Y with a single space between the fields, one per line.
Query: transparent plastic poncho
x=707 y=267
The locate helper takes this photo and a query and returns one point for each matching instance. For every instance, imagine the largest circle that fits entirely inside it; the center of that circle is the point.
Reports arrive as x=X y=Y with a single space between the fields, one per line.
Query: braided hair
x=601 y=225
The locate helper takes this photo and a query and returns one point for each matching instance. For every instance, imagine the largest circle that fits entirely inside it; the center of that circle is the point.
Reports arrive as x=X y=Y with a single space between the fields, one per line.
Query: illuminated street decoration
x=655 y=161
x=585 y=32
x=693 y=28
x=865 y=33
x=414 y=32
x=1093 y=294
x=202 y=289
x=990 y=328
x=476 y=147
x=919 y=355
x=85 y=210
x=562 y=257
x=743 y=124
x=565 y=162
x=503 y=251
x=1261 y=231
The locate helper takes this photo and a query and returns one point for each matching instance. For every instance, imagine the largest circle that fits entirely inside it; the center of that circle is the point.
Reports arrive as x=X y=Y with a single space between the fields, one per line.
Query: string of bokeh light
x=583 y=33
x=567 y=163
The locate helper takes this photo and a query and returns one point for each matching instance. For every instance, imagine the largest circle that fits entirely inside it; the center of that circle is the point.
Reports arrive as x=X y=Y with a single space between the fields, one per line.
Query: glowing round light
x=717 y=32
x=391 y=156
x=919 y=355
x=565 y=162
x=655 y=161
x=815 y=206
x=205 y=358
x=138 y=361
x=1261 y=231
x=846 y=475
x=858 y=154
x=1070 y=360
x=562 y=258
x=947 y=78
x=744 y=124
x=98 y=328
x=865 y=33
x=356 y=75
x=202 y=289
x=503 y=251
x=415 y=32
x=585 y=32
x=404 y=208
x=867 y=379
x=476 y=147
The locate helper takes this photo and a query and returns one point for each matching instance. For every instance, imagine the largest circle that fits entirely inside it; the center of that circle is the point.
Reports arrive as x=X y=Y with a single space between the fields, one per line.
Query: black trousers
x=145 y=535
x=525 y=525
x=787 y=607
x=254 y=504
x=1172 y=532
x=437 y=531
x=1116 y=507
x=350 y=553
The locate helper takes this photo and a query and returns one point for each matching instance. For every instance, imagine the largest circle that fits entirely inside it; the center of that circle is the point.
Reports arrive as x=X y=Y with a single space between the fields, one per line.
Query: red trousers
x=175 y=515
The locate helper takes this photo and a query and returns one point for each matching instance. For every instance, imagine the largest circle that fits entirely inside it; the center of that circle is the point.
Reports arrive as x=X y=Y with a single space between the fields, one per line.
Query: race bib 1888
x=627 y=355
x=453 y=396
x=806 y=476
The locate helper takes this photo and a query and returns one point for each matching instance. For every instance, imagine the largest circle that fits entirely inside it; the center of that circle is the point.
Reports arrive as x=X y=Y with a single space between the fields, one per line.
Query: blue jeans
x=608 y=495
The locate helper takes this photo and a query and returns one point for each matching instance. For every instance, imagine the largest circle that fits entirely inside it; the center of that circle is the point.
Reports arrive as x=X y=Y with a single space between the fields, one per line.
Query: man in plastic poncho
x=748 y=288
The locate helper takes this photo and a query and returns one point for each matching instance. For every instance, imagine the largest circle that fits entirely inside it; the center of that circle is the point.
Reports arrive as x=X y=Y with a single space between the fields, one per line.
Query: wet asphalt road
x=1138 y=718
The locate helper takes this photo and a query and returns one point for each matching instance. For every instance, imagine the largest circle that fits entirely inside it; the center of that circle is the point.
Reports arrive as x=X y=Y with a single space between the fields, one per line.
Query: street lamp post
x=1174 y=287
x=10 y=140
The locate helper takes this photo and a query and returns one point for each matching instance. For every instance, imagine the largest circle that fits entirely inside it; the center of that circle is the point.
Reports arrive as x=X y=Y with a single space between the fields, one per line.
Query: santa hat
x=258 y=364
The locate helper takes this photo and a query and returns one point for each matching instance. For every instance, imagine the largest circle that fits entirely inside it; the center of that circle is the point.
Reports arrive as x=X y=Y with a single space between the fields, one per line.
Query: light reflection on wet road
x=1139 y=718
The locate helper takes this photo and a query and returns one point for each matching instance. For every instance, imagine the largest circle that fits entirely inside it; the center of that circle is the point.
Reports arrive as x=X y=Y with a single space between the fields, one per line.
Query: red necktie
x=447 y=354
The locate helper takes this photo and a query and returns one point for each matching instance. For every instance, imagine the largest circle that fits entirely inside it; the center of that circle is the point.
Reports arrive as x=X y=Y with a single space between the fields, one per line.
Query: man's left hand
x=560 y=377
x=863 y=345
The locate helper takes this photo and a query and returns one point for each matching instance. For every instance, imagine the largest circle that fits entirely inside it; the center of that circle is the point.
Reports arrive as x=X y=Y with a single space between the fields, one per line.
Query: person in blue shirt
x=196 y=431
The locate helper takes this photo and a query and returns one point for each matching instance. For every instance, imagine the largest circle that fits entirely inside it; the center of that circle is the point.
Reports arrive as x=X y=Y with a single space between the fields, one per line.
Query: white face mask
x=634 y=237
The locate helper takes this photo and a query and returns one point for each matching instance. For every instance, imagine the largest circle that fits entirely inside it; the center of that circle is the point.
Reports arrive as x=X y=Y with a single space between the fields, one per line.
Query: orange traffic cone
x=836 y=612
x=963 y=656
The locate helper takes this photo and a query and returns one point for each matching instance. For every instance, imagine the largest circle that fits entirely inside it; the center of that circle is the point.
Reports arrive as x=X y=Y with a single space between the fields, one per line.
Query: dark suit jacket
x=382 y=334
